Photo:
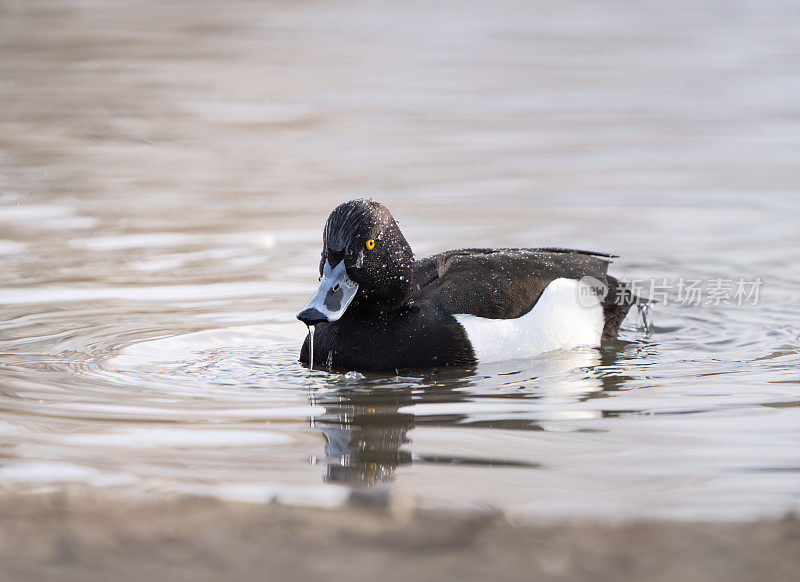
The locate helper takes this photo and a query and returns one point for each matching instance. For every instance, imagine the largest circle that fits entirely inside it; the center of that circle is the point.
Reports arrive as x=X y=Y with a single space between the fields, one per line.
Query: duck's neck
x=366 y=309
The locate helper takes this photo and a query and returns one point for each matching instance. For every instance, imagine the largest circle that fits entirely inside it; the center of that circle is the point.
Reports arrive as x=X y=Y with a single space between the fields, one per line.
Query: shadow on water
x=366 y=423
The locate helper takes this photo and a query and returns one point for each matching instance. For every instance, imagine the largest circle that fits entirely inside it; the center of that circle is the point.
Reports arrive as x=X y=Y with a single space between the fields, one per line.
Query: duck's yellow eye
x=370 y=244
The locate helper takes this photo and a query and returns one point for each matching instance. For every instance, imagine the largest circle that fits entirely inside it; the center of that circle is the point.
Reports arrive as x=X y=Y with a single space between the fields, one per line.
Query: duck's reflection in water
x=364 y=436
x=366 y=422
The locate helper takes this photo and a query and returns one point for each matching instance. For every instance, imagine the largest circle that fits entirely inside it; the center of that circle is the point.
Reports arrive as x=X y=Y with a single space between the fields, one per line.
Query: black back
x=498 y=283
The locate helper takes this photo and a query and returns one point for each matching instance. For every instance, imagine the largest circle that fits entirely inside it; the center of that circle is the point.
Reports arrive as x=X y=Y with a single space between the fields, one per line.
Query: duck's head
x=365 y=259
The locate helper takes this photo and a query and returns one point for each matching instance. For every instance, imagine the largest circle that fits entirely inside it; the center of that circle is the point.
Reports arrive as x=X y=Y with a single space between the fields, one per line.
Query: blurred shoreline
x=74 y=537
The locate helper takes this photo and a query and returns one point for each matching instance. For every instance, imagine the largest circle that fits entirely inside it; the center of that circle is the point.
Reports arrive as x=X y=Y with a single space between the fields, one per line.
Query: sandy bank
x=78 y=538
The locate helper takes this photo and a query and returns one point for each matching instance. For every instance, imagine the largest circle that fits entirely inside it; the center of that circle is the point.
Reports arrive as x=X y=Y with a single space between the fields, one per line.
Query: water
x=311 y=329
x=646 y=313
x=162 y=210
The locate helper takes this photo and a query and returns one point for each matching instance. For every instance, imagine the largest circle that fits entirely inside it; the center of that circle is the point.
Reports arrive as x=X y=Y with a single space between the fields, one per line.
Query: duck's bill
x=336 y=292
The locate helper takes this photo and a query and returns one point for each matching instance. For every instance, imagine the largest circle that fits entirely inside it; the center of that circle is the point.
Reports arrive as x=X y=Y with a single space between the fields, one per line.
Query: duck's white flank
x=566 y=316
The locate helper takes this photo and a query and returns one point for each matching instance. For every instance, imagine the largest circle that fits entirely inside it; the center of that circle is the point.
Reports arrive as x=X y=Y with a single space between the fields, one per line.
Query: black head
x=376 y=255
x=366 y=261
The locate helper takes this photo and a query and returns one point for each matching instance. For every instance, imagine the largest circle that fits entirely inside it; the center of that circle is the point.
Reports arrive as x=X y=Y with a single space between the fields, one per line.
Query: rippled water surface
x=165 y=175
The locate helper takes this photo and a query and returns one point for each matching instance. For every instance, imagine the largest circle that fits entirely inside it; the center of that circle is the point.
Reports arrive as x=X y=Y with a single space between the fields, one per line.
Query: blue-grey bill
x=336 y=292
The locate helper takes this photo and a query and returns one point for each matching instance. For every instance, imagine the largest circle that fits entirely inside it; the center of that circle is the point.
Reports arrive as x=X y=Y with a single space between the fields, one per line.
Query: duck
x=378 y=308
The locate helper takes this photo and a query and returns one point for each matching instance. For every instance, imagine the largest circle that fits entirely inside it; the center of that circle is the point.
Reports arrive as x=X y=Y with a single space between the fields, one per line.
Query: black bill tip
x=311 y=316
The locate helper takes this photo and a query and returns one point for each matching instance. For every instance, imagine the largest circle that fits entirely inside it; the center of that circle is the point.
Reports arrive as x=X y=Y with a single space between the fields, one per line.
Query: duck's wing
x=507 y=283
